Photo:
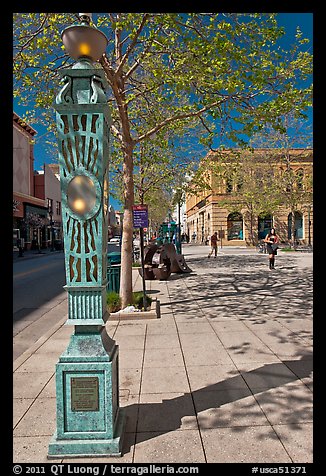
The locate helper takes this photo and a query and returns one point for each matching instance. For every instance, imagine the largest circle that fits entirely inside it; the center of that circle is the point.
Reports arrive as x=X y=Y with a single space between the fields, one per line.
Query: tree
x=36 y=221
x=291 y=144
x=171 y=70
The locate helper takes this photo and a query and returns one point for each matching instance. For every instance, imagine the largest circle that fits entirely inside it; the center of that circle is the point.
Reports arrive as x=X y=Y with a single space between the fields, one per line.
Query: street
x=37 y=298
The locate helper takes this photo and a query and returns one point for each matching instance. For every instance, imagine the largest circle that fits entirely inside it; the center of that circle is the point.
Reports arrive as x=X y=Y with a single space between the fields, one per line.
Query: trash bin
x=113 y=274
x=114 y=257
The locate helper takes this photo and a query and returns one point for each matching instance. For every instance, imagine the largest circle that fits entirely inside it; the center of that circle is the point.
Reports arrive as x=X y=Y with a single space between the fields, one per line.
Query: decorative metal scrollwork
x=63 y=97
x=98 y=95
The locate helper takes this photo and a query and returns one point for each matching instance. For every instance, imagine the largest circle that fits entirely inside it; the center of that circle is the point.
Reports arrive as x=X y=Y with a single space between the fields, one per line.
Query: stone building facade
x=207 y=210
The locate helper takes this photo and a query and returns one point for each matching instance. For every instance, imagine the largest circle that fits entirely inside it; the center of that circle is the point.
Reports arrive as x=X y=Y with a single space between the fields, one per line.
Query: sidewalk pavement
x=225 y=375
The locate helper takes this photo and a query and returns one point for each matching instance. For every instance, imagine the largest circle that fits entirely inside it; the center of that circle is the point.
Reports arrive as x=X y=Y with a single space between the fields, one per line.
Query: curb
x=34 y=255
x=25 y=355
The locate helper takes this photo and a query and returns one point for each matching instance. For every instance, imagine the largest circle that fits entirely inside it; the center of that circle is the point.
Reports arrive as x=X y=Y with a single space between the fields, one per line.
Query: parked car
x=115 y=239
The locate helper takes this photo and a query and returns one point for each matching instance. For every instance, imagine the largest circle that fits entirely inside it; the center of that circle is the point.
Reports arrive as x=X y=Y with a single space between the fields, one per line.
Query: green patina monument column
x=89 y=420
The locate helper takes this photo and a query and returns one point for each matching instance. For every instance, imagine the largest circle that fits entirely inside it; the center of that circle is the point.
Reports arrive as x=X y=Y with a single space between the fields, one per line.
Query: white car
x=115 y=239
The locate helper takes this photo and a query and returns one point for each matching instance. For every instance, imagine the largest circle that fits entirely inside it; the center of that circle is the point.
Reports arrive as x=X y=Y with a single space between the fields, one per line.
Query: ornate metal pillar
x=89 y=420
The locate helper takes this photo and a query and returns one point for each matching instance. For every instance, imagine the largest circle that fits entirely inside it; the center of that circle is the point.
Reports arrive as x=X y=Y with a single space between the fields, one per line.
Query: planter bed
x=152 y=313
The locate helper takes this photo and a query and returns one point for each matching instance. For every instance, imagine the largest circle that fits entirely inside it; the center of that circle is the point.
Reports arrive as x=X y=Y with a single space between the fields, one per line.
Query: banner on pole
x=140 y=216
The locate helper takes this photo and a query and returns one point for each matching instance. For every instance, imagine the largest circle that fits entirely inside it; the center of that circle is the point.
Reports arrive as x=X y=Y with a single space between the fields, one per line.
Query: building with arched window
x=250 y=192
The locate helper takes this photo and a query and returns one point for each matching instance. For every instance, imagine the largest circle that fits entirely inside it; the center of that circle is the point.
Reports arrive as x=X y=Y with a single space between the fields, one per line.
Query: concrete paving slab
x=20 y=407
x=246 y=347
x=266 y=376
x=163 y=341
x=158 y=357
x=297 y=440
x=180 y=446
x=186 y=316
x=300 y=354
x=164 y=380
x=257 y=444
x=19 y=348
x=49 y=390
x=30 y=384
x=284 y=335
x=227 y=408
x=29 y=314
x=201 y=355
x=287 y=350
x=194 y=328
x=205 y=340
x=53 y=346
x=131 y=358
x=303 y=369
x=130 y=341
x=130 y=405
x=165 y=325
x=298 y=324
x=129 y=379
x=130 y=329
x=31 y=449
x=166 y=412
x=21 y=325
x=291 y=403
x=37 y=363
x=228 y=326
x=222 y=376
x=38 y=421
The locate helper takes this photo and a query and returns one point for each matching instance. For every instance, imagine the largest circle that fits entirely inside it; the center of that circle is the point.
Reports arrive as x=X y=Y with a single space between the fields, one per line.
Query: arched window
x=265 y=223
x=298 y=226
x=235 y=226
x=299 y=179
x=229 y=185
x=288 y=180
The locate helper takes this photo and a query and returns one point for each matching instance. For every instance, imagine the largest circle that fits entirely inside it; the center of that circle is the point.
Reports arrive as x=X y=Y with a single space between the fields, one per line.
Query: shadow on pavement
x=285 y=404
x=245 y=288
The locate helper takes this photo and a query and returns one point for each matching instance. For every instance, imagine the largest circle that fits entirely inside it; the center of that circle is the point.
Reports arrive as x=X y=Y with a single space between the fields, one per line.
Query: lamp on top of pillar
x=89 y=419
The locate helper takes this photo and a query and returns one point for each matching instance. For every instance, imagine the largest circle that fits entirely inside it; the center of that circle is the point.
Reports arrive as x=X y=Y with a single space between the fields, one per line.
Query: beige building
x=222 y=207
x=47 y=187
x=24 y=199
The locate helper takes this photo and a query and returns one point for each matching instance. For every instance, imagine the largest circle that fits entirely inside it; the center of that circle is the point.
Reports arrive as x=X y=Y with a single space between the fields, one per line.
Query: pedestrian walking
x=214 y=240
x=272 y=240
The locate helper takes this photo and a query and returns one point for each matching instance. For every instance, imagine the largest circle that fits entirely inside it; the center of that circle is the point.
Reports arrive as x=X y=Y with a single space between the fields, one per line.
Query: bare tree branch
x=177 y=117
x=133 y=43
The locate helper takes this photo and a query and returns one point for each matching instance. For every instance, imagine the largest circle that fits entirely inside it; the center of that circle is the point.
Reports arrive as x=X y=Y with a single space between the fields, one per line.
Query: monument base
x=61 y=448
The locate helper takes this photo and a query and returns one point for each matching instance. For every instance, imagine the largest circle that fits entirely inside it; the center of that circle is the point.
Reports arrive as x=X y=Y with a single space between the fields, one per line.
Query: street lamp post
x=89 y=419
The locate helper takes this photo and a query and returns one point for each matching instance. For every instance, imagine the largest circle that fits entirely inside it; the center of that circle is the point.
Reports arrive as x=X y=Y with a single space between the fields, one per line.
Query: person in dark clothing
x=214 y=240
x=271 y=240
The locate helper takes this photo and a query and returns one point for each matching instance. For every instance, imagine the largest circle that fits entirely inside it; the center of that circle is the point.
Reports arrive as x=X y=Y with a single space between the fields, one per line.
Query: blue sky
x=288 y=20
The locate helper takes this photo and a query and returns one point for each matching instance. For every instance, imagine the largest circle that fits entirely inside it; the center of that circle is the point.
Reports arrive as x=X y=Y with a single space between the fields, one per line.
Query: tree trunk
x=293 y=229
x=127 y=235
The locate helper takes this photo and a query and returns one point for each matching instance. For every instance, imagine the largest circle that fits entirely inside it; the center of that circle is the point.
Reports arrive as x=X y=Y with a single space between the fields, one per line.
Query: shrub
x=138 y=299
x=113 y=301
x=136 y=264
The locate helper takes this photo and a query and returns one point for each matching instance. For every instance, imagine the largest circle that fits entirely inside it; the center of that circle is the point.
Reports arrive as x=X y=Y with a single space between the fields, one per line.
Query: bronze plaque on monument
x=84 y=394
